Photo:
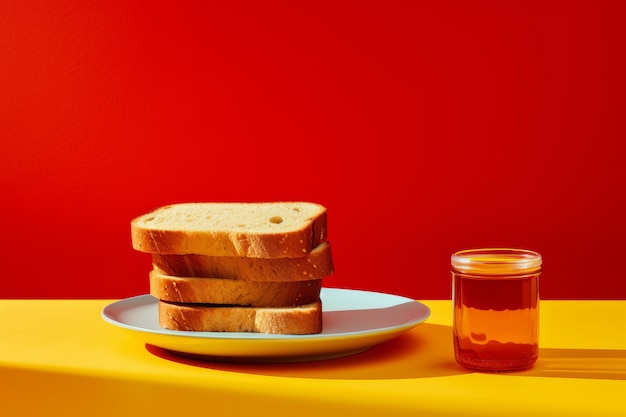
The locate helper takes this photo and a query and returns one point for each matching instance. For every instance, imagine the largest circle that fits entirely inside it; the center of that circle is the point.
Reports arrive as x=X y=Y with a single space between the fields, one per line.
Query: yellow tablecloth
x=58 y=357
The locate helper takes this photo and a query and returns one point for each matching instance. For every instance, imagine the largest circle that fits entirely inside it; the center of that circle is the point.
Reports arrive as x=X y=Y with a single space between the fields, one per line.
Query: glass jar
x=495 y=292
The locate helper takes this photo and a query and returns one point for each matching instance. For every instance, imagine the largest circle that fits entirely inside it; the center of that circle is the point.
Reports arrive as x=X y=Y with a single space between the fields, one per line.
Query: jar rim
x=496 y=261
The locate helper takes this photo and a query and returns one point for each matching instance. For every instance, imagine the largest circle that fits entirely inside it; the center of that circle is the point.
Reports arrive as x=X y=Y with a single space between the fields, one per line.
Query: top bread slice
x=256 y=230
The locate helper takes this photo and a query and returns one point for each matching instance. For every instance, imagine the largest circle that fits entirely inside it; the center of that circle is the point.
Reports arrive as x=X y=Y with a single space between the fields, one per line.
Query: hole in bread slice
x=276 y=220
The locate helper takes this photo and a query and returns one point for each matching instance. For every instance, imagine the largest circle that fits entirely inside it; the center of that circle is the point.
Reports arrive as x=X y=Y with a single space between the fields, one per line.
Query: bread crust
x=305 y=319
x=233 y=291
x=301 y=226
x=316 y=265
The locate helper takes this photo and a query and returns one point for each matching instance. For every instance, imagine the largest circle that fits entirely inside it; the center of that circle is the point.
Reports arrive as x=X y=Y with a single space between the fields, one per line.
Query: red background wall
x=424 y=126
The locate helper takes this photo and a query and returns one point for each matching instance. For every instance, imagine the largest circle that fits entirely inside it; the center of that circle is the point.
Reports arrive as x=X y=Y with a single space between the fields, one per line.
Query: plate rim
x=272 y=348
x=244 y=336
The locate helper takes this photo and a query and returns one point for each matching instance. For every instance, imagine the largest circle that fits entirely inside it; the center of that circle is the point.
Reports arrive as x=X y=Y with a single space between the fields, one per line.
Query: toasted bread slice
x=259 y=230
x=305 y=319
x=233 y=291
x=316 y=265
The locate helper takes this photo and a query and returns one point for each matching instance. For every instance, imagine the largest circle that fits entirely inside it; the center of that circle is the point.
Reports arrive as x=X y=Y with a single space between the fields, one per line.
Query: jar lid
x=496 y=261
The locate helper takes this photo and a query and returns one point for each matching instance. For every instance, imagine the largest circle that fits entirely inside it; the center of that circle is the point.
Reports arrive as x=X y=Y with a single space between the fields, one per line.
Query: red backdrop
x=424 y=126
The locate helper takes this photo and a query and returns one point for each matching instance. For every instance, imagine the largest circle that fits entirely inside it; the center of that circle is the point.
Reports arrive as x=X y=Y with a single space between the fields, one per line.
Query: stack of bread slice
x=237 y=267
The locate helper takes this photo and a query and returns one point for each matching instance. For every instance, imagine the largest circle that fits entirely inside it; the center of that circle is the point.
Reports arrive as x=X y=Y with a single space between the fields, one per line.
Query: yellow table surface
x=58 y=357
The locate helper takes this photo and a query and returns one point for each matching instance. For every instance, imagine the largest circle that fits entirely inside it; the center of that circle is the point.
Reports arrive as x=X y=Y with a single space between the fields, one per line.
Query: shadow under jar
x=495 y=293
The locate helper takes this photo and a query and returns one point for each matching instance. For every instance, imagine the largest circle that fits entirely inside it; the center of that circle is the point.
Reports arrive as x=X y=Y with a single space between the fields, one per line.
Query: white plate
x=353 y=321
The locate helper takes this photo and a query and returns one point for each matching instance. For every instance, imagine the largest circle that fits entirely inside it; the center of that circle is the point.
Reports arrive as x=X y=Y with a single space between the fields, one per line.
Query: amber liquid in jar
x=496 y=309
